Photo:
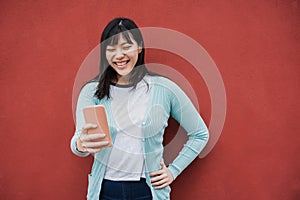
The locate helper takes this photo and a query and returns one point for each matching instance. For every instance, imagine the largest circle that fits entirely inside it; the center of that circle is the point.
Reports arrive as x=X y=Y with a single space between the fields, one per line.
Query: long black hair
x=110 y=36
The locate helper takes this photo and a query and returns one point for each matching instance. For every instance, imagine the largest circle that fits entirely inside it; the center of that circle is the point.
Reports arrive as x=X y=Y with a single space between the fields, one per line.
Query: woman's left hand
x=161 y=178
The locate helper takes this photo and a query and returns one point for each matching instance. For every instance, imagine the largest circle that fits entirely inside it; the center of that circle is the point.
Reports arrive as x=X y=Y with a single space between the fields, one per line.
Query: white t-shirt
x=126 y=161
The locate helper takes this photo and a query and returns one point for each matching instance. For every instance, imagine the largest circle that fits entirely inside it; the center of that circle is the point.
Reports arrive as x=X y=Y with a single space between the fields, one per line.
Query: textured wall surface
x=255 y=45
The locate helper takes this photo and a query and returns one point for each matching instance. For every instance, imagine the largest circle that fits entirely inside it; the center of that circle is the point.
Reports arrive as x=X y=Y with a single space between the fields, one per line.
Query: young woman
x=138 y=105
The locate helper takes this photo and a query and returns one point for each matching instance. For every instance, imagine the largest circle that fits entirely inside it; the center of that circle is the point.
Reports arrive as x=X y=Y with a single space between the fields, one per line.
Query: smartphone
x=97 y=115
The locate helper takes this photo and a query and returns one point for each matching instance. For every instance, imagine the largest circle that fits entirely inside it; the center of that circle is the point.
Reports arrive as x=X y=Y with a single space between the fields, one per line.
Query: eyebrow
x=125 y=43
x=111 y=45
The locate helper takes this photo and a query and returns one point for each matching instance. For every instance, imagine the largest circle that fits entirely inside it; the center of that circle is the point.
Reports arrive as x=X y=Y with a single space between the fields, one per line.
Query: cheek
x=108 y=57
x=134 y=56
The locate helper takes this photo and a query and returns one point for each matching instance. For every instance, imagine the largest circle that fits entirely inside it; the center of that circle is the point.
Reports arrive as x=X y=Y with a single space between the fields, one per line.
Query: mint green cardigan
x=166 y=99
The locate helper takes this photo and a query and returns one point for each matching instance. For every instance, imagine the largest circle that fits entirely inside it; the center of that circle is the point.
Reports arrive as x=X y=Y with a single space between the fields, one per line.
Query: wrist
x=79 y=146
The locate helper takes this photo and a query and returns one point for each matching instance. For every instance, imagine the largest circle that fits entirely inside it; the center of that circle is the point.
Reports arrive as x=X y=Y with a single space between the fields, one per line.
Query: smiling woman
x=138 y=105
x=122 y=57
x=132 y=45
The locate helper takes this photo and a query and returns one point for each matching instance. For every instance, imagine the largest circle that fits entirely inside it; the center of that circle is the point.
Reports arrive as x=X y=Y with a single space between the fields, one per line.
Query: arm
x=85 y=99
x=188 y=117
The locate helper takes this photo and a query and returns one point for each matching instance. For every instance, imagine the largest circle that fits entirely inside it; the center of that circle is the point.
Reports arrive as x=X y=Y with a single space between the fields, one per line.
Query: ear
x=140 y=49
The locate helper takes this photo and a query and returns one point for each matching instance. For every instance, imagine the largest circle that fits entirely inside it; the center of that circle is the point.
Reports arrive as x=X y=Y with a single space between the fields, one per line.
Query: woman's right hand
x=90 y=142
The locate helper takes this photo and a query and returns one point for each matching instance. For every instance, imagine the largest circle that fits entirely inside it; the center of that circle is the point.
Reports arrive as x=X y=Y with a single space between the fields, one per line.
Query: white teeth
x=121 y=63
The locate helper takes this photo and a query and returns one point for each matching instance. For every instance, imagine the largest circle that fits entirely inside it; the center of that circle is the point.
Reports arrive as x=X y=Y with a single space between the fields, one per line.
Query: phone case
x=97 y=115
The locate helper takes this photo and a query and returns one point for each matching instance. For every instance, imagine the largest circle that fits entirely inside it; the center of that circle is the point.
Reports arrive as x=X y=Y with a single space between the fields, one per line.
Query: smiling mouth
x=121 y=64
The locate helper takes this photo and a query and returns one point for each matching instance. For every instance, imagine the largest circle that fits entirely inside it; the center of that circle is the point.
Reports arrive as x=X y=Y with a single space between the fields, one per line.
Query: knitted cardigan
x=166 y=99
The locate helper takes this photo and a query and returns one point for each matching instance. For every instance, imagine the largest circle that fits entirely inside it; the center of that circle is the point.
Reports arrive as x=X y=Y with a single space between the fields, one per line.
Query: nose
x=119 y=54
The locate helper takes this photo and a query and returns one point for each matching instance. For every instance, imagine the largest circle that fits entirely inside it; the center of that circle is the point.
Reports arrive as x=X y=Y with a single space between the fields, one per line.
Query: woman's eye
x=126 y=47
x=110 y=50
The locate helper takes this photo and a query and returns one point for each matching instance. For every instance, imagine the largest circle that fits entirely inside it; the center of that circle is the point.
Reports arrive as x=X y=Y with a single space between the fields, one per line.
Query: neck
x=123 y=80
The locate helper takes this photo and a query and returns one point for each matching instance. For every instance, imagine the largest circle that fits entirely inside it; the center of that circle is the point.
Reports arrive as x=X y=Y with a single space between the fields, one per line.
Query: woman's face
x=122 y=57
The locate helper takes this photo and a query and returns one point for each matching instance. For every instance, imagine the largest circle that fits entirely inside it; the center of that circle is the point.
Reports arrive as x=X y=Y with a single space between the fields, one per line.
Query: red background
x=255 y=45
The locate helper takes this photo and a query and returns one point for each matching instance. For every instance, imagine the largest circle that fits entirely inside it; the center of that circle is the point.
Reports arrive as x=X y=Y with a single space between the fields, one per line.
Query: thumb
x=162 y=164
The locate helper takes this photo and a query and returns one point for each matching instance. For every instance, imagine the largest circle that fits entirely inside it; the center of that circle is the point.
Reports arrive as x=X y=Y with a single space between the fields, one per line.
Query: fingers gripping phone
x=96 y=115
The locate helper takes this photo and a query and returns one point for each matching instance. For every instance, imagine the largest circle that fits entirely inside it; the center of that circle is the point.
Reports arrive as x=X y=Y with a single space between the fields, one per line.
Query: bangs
x=116 y=33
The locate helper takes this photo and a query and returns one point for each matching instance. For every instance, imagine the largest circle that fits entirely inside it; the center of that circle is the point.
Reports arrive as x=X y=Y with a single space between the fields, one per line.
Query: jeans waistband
x=125 y=190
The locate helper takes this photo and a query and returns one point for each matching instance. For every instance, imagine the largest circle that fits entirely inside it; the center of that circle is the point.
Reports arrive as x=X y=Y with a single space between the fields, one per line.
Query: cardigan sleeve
x=86 y=98
x=183 y=110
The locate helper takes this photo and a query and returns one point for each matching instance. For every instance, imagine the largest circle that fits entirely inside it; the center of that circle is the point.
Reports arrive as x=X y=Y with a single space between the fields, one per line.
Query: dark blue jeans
x=125 y=190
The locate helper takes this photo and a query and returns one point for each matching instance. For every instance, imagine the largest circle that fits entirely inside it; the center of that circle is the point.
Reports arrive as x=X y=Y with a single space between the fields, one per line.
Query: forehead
x=121 y=38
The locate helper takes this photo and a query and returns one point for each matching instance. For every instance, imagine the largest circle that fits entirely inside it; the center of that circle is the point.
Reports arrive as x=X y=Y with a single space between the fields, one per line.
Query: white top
x=126 y=161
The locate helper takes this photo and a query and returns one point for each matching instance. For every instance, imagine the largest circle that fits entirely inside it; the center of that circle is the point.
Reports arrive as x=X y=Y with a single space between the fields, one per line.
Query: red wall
x=255 y=45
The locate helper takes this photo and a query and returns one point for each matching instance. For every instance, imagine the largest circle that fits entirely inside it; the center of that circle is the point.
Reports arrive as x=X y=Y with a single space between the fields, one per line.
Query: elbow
x=203 y=134
x=207 y=135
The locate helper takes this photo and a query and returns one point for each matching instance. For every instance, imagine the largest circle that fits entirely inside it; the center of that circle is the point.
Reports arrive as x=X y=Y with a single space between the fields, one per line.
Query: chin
x=123 y=73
